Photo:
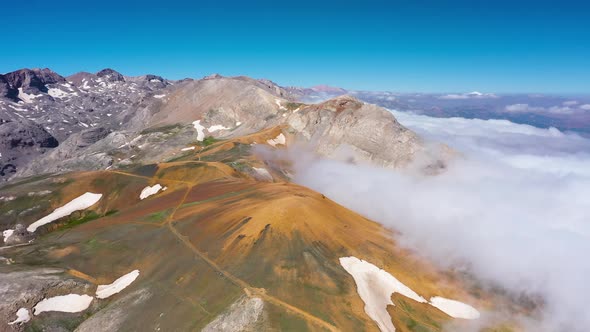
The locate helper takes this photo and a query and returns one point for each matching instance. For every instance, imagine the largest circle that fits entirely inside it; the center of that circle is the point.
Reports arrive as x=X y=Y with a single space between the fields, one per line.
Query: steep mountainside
x=215 y=239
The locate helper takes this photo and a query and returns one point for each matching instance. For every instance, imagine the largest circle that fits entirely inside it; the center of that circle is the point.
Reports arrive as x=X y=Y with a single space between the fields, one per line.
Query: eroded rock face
x=91 y=136
x=20 y=142
x=243 y=315
x=32 y=80
x=346 y=128
x=111 y=317
x=19 y=235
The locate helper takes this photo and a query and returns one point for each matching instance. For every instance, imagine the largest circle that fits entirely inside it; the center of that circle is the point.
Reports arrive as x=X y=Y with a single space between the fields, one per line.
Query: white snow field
x=104 y=291
x=375 y=287
x=63 y=303
x=149 y=191
x=80 y=203
x=215 y=128
x=200 y=132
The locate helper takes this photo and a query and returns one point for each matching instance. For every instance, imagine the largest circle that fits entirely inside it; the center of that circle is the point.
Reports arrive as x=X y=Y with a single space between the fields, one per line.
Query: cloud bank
x=567 y=108
x=514 y=210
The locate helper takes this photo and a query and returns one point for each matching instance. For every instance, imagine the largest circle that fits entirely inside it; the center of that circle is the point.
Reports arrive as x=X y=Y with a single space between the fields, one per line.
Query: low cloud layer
x=566 y=108
x=470 y=95
x=514 y=210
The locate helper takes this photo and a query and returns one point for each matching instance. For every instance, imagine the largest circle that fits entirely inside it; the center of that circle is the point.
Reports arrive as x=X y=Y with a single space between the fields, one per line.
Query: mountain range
x=141 y=203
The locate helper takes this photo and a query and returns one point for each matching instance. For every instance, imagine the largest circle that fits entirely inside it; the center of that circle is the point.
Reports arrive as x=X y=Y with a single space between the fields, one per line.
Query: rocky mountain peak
x=32 y=78
x=151 y=77
x=212 y=76
x=341 y=103
x=111 y=75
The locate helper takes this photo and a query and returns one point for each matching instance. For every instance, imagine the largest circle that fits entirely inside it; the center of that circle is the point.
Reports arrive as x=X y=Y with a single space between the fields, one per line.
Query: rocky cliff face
x=21 y=142
x=49 y=108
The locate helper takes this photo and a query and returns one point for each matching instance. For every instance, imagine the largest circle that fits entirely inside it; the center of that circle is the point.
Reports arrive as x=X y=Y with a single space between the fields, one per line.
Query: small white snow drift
x=63 y=303
x=7 y=233
x=80 y=203
x=215 y=128
x=104 y=291
x=149 y=191
x=22 y=316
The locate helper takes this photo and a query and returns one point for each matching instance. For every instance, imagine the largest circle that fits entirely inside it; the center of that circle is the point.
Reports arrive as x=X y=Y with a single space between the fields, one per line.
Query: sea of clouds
x=514 y=208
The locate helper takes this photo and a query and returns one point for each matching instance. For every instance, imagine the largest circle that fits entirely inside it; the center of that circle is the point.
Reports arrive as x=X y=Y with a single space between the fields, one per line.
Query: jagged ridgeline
x=140 y=203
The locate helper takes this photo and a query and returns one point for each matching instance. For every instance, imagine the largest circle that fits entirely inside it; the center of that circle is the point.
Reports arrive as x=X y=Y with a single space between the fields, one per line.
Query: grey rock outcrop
x=19 y=235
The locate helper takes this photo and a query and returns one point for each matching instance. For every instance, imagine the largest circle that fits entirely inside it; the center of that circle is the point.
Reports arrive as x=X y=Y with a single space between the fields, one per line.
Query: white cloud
x=585 y=107
x=514 y=209
x=523 y=108
x=565 y=109
x=470 y=95
x=454 y=96
x=561 y=110
x=570 y=103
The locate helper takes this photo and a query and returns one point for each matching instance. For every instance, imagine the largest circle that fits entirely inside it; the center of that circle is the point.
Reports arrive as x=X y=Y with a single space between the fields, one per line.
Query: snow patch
x=19 y=109
x=239 y=123
x=278 y=102
x=149 y=191
x=215 y=128
x=199 y=128
x=56 y=93
x=159 y=96
x=63 y=303
x=187 y=149
x=104 y=291
x=22 y=316
x=375 y=287
x=277 y=140
x=27 y=98
x=7 y=233
x=80 y=203
x=454 y=308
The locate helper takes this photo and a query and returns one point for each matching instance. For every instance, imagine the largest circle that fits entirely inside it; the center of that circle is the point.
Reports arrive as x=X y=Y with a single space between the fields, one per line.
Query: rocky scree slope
x=40 y=109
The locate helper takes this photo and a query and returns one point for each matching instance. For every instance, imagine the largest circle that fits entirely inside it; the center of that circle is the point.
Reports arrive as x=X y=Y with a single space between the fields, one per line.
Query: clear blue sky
x=413 y=45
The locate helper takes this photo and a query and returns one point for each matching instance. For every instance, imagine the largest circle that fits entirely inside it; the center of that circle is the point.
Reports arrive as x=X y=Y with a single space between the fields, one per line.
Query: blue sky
x=413 y=45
